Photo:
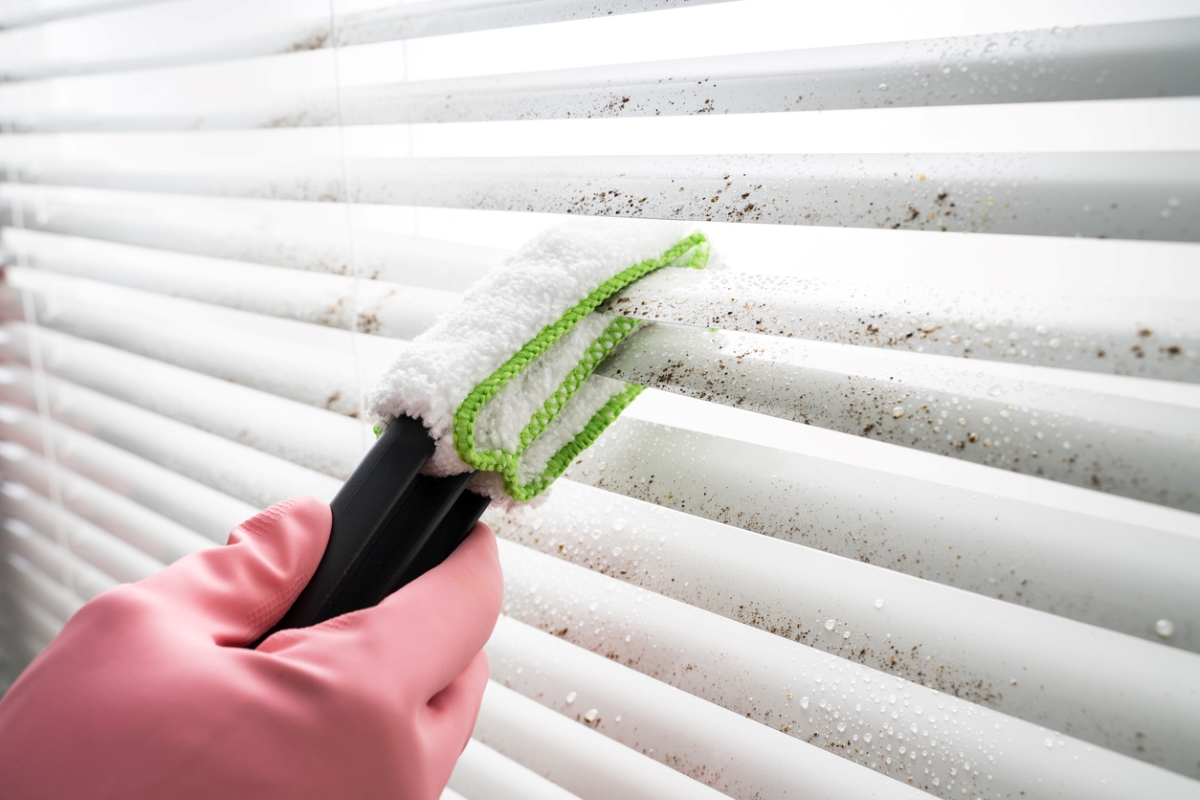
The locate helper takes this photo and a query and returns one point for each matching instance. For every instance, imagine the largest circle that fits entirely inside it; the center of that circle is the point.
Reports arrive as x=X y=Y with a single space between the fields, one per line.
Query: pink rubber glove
x=149 y=691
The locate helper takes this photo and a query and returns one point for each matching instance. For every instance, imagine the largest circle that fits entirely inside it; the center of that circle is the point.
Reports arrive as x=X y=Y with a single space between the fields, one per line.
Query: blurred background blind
x=912 y=508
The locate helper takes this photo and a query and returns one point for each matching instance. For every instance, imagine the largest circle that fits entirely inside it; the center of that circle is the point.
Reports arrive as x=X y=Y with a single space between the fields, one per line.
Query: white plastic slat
x=1151 y=59
x=155 y=535
x=163 y=33
x=748 y=26
x=307 y=236
x=189 y=31
x=1133 y=60
x=580 y=760
x=450 y=248
x=108 y=554
x=192 y=504
x=235 y=469
x=483 y=774
x=1101 y=330
x=366 y=21
x=752 y=673
x=586 y=33
x=1115 y=434
x=1114 y=195
x=994 y=193
x=921 y=515
x=333 y=300
x=29 y=12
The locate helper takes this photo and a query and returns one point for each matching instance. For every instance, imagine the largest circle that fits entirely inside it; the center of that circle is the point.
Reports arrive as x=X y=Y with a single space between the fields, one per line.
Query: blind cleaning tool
x=491 y=403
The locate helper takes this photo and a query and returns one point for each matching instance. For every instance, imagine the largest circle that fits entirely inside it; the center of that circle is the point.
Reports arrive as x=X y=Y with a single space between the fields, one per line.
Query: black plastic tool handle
x=391 y=524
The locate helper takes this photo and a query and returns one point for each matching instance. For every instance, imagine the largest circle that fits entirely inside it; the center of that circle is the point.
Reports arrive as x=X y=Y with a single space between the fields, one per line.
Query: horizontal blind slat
x=1114 y=195
x=30 y=12
x=306 y=236
x=1148 y=59
x=1044 y=424
x=1141 y=60
x=457 y=246
x=483 y=774
x=163 y=33
x=191 y=31
x=575 y=758
x=1102 y=331
x=410 y=21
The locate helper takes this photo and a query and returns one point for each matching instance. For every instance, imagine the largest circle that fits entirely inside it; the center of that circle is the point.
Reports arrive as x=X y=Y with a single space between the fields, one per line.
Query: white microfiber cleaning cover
x=504 y=382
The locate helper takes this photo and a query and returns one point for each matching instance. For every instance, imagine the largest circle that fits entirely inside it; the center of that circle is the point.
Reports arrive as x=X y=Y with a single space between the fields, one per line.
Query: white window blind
x=915 y=507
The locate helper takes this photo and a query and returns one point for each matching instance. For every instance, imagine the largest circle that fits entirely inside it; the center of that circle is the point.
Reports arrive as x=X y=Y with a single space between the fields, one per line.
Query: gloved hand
x=149 y=691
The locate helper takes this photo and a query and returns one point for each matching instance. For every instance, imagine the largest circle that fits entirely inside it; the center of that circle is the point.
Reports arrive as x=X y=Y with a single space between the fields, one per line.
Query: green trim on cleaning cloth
x=506 y=462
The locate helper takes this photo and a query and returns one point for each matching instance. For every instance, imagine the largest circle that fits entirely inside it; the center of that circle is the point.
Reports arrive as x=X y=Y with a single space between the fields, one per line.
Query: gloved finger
x=452 y=712
x=237 y=592
x=437 y=623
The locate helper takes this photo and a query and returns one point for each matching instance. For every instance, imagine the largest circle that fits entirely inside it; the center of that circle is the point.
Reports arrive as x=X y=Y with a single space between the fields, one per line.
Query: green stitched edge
x=562 y=459
x=506 y=462
x=597 y=351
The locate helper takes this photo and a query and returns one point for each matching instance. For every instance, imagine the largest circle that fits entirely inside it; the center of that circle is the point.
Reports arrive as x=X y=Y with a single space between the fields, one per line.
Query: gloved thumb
x=235 y=593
